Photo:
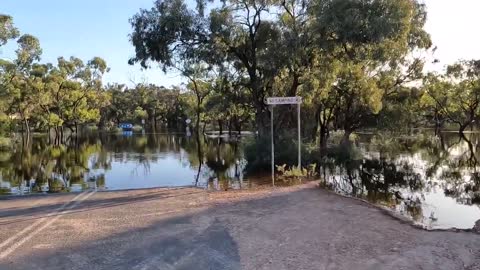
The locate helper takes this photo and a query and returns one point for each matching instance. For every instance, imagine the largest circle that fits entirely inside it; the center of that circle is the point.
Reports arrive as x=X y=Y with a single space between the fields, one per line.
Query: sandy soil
x=300 y=227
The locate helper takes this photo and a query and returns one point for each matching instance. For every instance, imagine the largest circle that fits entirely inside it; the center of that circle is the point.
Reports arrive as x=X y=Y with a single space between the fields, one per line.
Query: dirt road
x=299 y=228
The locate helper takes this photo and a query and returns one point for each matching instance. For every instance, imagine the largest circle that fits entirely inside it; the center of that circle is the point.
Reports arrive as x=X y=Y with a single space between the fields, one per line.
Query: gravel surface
x=290 y=228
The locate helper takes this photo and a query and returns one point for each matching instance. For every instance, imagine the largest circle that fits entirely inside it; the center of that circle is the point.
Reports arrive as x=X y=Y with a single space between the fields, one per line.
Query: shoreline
x=302 y=226
x=219 y=197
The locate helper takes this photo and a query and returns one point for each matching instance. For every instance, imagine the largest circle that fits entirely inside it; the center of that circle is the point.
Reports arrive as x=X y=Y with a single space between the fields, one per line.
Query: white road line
x=38 y=222
x=6 y=242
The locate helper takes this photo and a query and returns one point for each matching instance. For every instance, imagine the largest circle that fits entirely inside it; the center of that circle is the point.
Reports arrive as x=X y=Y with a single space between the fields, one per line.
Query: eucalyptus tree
x=7 y=29
x=466 y=92
x=247 y=34
x=20 y=86
x=217 y=105
x=374 y=41
x=276 y=47
x=321 y=97
x=239 y=110
x=173 y=36
x=456 y=94
x=7 y=32
x=157 y=103
x=180 y=37
x=436 y=100
x=201 y=89
x=74 y=93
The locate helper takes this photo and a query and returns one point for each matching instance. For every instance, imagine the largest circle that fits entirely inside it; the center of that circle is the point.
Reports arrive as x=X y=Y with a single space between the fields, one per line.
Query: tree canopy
x=356 y=64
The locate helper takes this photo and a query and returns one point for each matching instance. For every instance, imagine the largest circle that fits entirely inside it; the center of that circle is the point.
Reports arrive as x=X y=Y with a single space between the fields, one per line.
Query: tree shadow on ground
x=308 y=229
x=91 y=204
x=173 y=243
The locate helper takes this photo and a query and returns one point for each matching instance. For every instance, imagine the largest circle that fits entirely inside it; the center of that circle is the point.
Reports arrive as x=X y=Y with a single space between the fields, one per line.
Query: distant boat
x=126 y=126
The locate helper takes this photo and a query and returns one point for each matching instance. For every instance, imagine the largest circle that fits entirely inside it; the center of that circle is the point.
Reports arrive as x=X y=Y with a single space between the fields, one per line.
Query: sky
x=453 y=26
x=88 y=28
x=84 y=29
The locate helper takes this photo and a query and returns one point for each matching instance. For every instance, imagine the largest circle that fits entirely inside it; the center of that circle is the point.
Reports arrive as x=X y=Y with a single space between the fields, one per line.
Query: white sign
x=284 y=100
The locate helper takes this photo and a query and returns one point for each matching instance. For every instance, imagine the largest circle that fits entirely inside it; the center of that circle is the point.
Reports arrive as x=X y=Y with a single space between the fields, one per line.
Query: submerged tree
x=373 y=41
x=455 y=95
x=368 y=42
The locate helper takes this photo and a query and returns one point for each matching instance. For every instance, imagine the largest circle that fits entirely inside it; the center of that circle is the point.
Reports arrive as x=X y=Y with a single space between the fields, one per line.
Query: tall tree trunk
x=220 y=127
x=200 y=159
x=323 y=136
x=61 y=134
x=261 y=118
x=230 y=124
x=49 y=134
x=346 y=136
x=238 y=126
x=56 y=135
x=316 y=128
x=463 y=127
x=27 y=126
x=438 y=126
x=197 y=124
x=203 y=128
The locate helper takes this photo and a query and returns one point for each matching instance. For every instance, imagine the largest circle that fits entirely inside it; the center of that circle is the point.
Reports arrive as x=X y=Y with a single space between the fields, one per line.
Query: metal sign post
x=273 y=144
x=272 y=101
x=299 y=138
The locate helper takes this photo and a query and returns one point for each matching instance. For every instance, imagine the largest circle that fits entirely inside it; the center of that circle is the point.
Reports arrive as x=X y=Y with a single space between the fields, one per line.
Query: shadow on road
x=88 y=205
x=169 y=244
x=308 y=229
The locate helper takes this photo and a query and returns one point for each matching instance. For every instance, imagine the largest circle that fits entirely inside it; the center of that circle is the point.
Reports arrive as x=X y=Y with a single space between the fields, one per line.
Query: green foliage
x=5 y=143
x=44 y=96
x=295 y=173
x=156 y=105
x=344 y=57
x=7 y=29
x=352 y=61
x=455 y=95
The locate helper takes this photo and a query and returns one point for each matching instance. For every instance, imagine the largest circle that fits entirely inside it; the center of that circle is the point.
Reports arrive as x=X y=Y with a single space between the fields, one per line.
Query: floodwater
x=119 y=162
x=433 y=180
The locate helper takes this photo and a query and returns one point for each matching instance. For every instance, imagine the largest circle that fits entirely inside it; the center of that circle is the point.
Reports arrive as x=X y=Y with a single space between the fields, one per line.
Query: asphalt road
x=191 y=229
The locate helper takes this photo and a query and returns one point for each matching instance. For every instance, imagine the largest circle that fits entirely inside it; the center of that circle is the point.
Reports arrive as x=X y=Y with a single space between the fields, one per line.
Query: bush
x=137 y=128
x=258 y=152
x=115 y=129
x=295 y=172
x=5 y=143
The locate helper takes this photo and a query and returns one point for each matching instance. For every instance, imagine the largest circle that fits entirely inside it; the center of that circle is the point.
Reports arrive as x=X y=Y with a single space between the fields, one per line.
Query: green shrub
x=258 y=151
x=137 y=128
x=296 y=172
x=115 y=129
x=5 y=143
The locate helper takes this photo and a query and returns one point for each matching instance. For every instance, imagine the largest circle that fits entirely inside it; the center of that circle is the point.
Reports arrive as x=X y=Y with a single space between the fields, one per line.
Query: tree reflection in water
x=88 y=161
x=434 y=180
x=414 y=175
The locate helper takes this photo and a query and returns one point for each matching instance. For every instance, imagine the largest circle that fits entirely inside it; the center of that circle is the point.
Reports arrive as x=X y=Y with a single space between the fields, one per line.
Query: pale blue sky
x=84 y=28
x=87 y=28
x=454 y=26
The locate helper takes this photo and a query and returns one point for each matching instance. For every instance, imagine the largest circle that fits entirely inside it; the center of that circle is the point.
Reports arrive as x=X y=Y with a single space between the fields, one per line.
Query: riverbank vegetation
x=356 y=64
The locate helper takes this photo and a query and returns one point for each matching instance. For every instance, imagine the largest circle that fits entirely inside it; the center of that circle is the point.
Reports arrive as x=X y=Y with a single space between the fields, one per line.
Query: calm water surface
x=434 y=180
x=120 y=161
